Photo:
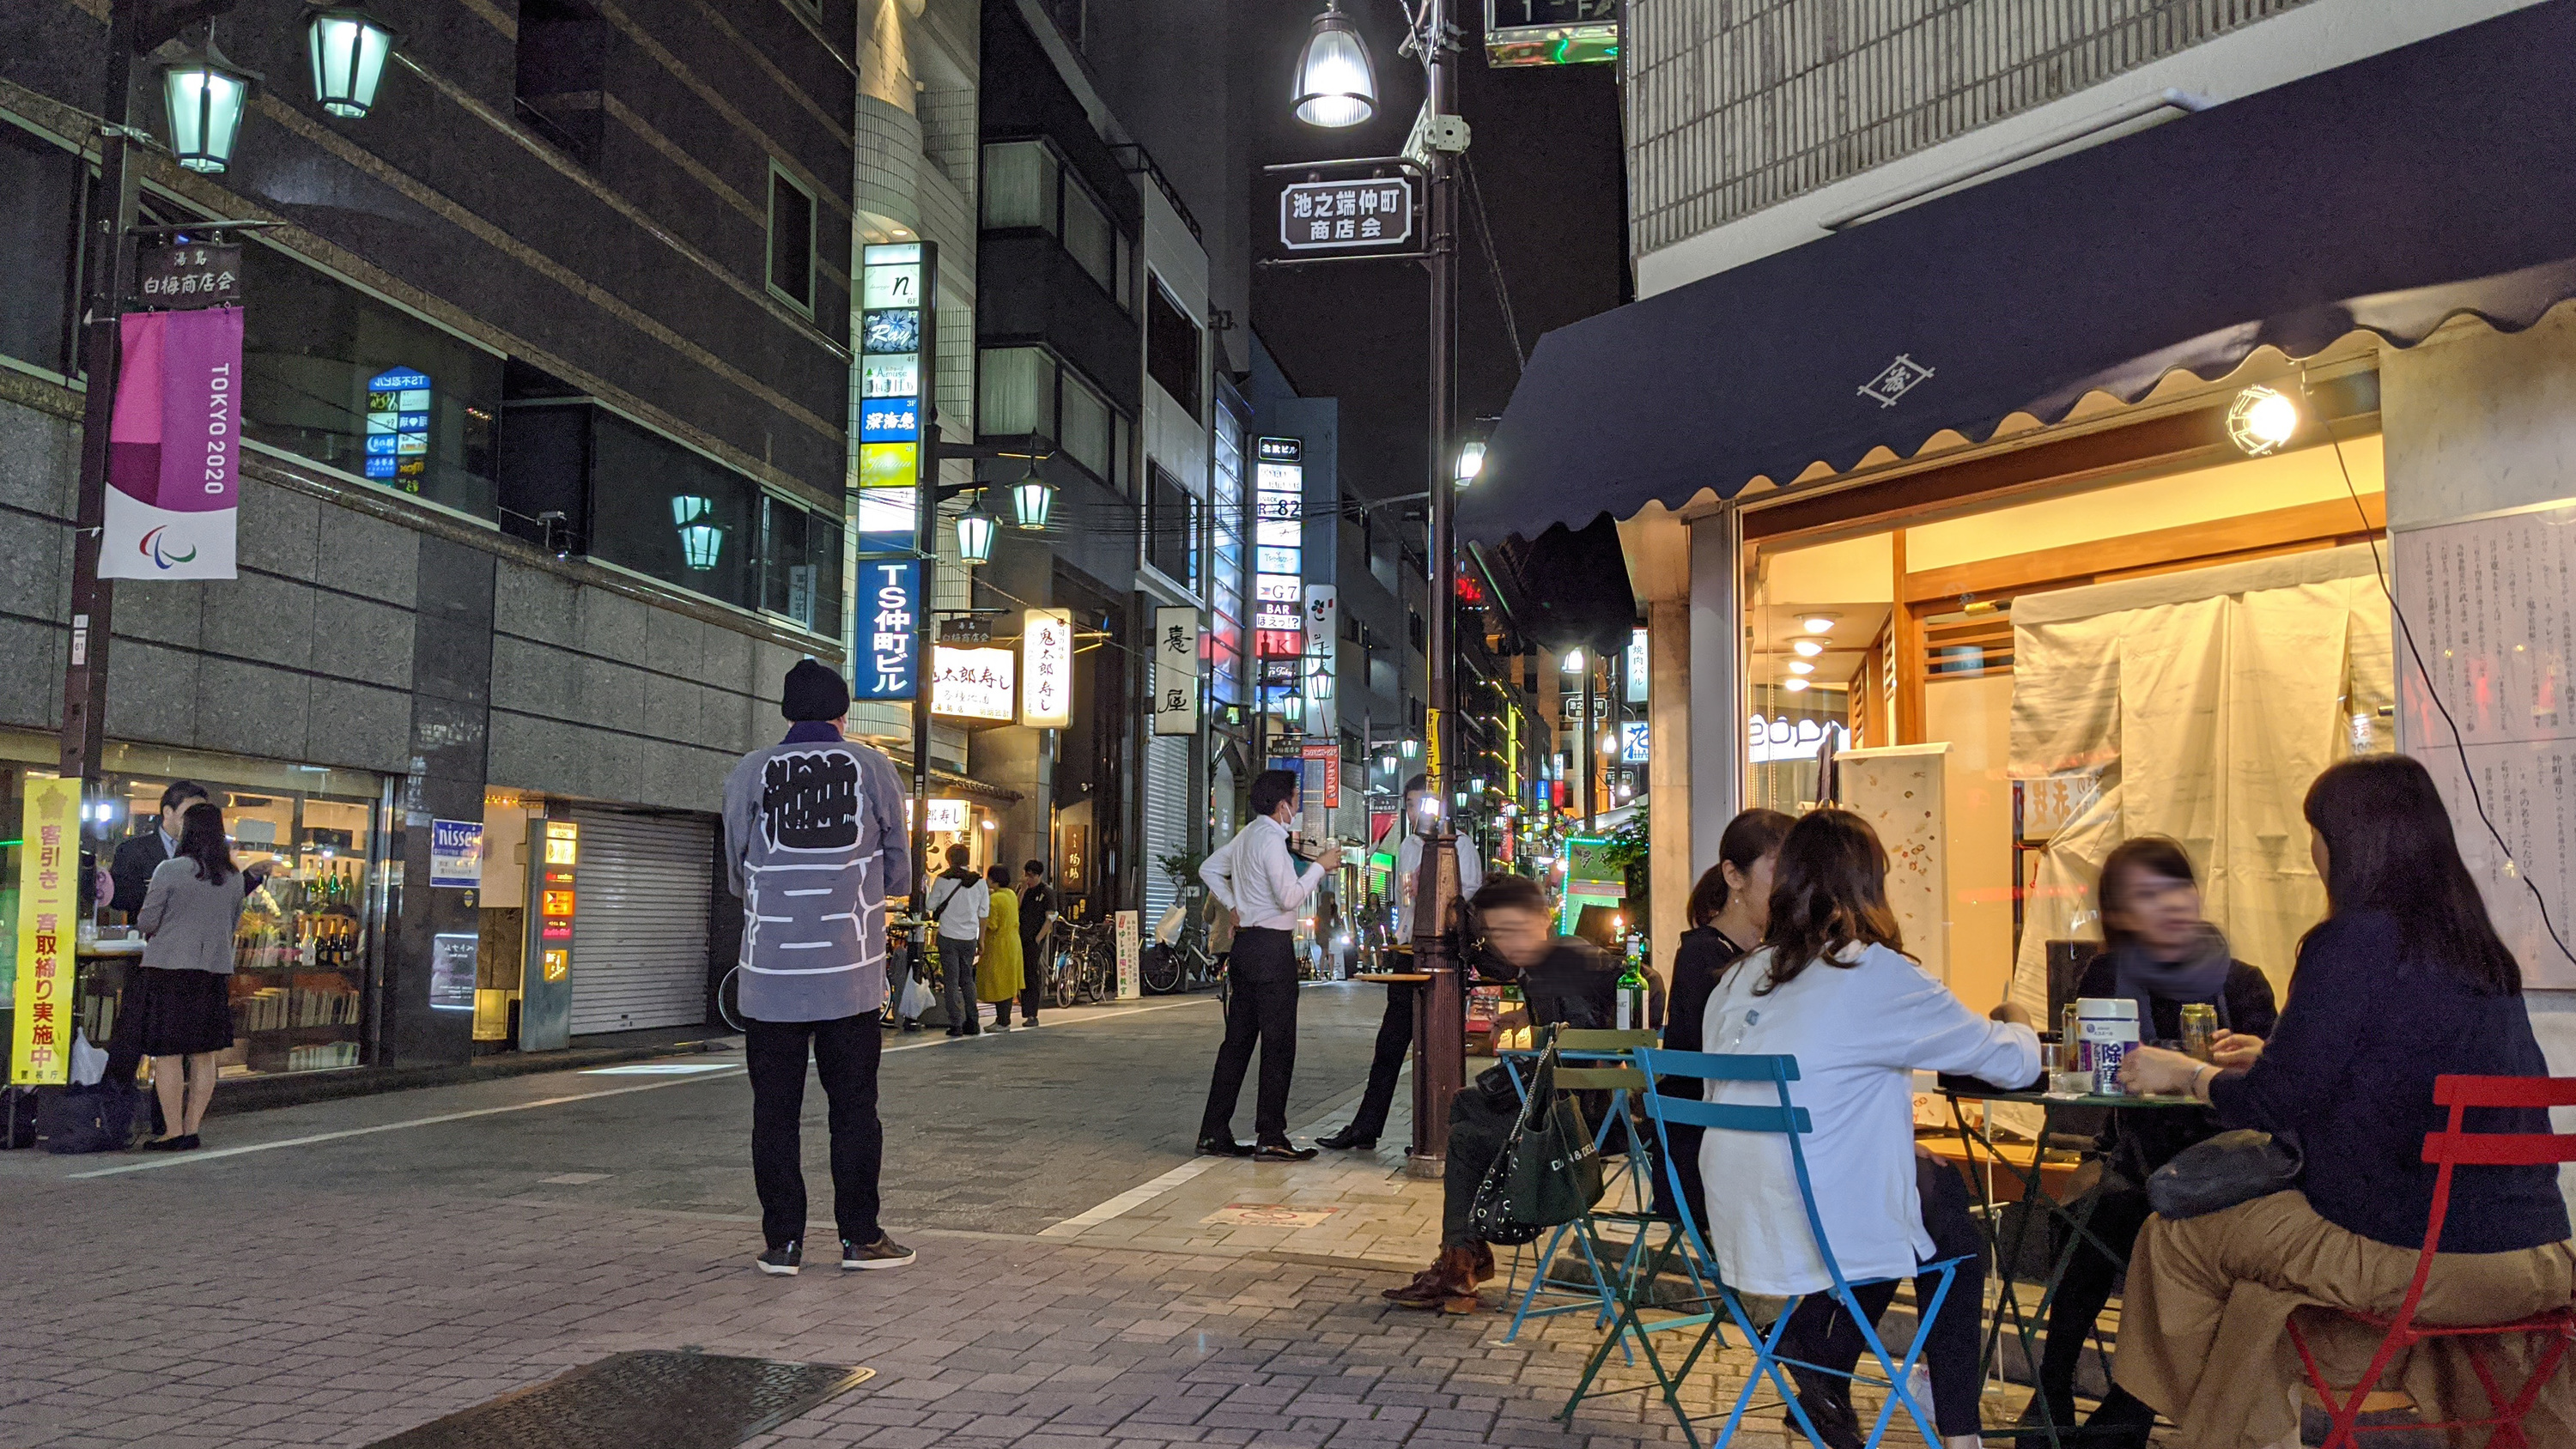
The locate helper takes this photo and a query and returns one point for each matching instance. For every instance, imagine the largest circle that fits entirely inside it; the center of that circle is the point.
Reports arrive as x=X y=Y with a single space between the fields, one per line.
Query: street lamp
x=1032 y=499
x=975 y=533
x=349 y=48
x=1336 y=85
x=1471 y=462
x=204 y=96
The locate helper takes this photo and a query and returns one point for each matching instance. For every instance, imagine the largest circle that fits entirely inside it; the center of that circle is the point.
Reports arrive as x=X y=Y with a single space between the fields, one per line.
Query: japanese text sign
x=40 y=1035
x=1176 y=669
x=971 y=683
x=887 y=646
x=1374 y=213
x=1046 y=668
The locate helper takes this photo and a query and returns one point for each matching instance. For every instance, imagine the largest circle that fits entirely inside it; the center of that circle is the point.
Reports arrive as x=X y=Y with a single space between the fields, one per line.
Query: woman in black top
x=1728 y=909
x=2405 y=981
x=2157 y=951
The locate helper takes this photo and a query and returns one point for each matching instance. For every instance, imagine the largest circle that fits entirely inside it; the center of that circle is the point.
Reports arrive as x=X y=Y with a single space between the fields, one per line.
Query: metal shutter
x=1167 y=817
x=639 y=940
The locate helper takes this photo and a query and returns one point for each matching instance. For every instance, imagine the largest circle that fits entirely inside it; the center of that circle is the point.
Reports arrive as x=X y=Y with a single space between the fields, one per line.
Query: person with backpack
x=815 y=842
x=959 y=902
x=179 y=1002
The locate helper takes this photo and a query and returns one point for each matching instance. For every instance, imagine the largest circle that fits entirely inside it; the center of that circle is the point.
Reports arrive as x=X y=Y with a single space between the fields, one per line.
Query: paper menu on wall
x=1898 y=790
x=2491 y=606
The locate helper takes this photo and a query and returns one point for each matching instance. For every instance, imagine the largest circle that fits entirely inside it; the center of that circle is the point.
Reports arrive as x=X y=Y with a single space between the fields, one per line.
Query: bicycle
x=1085 y=967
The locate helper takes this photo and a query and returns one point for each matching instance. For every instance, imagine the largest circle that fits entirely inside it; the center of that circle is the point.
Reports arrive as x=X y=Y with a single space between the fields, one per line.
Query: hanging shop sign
x=174 y=447
x=889 y=603
x=456 y=854
x=1632 y=741
x=40 y=1030
x=1046 y=668
x=1369 y=206
x=188 y=276
x=1637 y=675
x=897 y=328
x=971 y=683
x=946 y=817
x=1176 y=671
x=1279 y=563
x=1323 y=772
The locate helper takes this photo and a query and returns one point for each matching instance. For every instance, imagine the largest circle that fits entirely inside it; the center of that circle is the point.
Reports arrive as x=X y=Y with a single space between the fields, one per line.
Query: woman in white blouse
x=1832 y=987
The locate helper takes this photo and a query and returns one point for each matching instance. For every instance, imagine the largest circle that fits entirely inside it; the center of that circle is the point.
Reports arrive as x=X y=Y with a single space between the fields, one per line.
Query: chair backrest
x=2455 y=1146
x=1574 y=1039
x=1599 y=1078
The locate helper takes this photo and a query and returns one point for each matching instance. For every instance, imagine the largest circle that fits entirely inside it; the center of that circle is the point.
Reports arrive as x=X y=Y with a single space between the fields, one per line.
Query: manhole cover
x=668 y=1400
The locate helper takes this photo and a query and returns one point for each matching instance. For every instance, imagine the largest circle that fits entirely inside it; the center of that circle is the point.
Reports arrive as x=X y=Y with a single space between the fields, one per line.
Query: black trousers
x=1821 y=1332
x=1261 y=1010
x=845 y=1055
x=2118 y=1215
x=1033 y=978
x=1394 y=1039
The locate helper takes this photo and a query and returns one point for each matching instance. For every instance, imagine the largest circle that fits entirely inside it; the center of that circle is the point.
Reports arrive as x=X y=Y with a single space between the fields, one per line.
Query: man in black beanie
x=815 y=842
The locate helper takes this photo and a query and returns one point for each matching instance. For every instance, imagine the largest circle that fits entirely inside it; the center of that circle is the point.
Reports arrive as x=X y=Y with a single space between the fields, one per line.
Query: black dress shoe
x=1224 y=1147
x=1346 y=1141
x=1282 y=1152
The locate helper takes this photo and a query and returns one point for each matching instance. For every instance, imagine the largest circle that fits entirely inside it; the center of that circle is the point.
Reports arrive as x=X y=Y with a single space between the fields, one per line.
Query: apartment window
x=36 y=249
x=1089 y=237
x=1014 y=391
x=562 y=66
x=1171 y=527
x=1020 y=180
x=333 y=374
x=1088 y=436
x=1172 y=347
x=791 y=239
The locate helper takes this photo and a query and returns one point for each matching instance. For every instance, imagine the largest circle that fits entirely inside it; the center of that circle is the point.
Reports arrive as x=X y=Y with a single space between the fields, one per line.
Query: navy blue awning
x=2387 y=195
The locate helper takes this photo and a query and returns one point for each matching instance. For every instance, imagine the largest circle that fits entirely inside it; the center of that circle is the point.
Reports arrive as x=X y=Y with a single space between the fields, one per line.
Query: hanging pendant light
x=1336 y=85
x=349 y=48
x=975 y=533
x=204 y=96
x=1032 y=500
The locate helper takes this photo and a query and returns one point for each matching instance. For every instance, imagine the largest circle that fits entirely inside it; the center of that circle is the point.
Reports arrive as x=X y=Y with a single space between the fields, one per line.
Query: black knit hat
x=813 y=692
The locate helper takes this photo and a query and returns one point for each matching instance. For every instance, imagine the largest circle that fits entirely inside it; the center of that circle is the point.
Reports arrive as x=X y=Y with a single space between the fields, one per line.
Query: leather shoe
x=1224 y=1147
x=1282 y=1152
x=1446 y=1286
x=1346 y=1141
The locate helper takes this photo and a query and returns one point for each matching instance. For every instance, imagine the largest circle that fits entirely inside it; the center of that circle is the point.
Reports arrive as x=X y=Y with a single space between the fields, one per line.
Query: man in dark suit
x=137 y=856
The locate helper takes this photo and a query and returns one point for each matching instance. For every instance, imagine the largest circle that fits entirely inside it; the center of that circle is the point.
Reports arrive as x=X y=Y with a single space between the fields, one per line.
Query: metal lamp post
x=1336 y=86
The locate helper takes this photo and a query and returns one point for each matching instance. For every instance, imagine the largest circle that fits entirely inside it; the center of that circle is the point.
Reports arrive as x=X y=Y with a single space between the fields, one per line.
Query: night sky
x=1546 y=152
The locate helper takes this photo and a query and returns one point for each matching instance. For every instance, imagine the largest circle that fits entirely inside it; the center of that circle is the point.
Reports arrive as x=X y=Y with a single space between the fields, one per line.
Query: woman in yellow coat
x=998 y=968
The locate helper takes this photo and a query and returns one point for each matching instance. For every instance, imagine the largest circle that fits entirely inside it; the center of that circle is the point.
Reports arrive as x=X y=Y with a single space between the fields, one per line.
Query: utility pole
x=1440 y=1060
x=1589 y=752
x=108 y=274
x=925 y=542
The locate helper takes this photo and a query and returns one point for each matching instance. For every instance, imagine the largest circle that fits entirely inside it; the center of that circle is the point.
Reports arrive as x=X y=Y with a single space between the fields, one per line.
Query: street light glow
x=1471 y=462
x=975 y=534
x=1573 y=661
x=205 y=95
x=348 y=47
x=1336 y=85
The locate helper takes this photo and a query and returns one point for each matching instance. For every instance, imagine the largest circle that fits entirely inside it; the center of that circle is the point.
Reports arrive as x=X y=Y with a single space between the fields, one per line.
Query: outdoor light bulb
x=204 y=96
x=1573 y=661
x=348 y=47
x=1793 y=685
x=1032 y=500
x=1801 y=666
x=1412 y=748
x=2261 y=420
x=975 y=535
x=1471 y=461
x=1807 y=648
x=1819 y=623
x=1336 y=86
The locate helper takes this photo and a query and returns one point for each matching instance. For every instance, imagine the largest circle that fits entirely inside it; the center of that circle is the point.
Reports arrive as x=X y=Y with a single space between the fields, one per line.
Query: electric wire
x=2459 y=743
x=1493 y=260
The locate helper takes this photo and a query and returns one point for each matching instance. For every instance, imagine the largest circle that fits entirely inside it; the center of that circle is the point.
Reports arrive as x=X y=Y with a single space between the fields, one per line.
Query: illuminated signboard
x=1373 y=212
x=887 y=644
x=1046 y=668
x=971 y=683
x=1279 y=584
x=398 y=427
x=896 y=326
x=947 y=817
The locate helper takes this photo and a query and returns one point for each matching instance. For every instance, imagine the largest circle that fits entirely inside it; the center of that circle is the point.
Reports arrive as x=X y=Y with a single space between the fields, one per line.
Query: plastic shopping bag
x=89 y=1063
x=914 y=1002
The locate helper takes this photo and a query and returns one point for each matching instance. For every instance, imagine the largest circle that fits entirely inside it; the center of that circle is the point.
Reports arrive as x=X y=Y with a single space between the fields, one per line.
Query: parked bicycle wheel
x=1164 y=970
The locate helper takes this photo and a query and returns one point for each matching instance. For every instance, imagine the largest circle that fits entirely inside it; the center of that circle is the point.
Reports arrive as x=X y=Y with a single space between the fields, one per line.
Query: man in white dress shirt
x=1395 y=1029
x=1256 y=876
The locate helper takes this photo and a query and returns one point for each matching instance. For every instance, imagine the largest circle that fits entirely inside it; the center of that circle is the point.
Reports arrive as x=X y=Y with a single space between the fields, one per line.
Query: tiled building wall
x=1737 y=105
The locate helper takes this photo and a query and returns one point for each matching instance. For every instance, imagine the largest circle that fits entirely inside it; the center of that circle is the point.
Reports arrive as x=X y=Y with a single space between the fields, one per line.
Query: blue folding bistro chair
x=1787 y=1119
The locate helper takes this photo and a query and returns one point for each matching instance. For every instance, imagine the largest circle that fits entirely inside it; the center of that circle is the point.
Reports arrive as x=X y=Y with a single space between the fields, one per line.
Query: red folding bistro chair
x=2448 y=1149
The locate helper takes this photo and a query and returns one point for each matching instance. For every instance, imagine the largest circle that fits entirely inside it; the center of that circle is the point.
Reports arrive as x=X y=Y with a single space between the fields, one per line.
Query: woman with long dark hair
x=180 y=995
x=1831 y=986
x=1727 y=910
x=2404 y=981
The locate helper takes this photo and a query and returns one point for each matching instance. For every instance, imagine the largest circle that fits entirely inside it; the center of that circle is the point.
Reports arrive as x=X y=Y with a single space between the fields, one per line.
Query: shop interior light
x=1032 y=500
x=205 y=95
x=1801 y=666
x=1573 y=661
x=1336 y=84
x=1807 y=648
x=1819 y=623
x=1793 y=685
x=975 y=534
x=1412 y=748
x=349 y=48
x=2261 y=420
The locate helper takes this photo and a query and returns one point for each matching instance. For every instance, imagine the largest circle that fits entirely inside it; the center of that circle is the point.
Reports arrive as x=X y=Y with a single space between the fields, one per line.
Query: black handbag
x=2230 y=1168
x=1549 y=1171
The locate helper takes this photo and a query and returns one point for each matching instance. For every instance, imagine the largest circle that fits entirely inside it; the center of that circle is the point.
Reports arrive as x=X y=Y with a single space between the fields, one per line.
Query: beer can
x=2199 y=1029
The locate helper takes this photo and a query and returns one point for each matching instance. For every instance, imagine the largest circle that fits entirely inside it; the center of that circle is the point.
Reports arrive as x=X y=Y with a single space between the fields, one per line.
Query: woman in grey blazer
x=180 y=996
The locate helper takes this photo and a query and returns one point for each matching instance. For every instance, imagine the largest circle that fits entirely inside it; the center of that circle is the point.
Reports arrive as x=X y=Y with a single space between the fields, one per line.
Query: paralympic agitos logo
x=150 y=547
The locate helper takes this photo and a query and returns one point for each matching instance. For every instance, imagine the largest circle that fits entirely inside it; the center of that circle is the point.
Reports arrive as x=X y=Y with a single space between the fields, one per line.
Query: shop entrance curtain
x=2389 y=195
x=2198 y=705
